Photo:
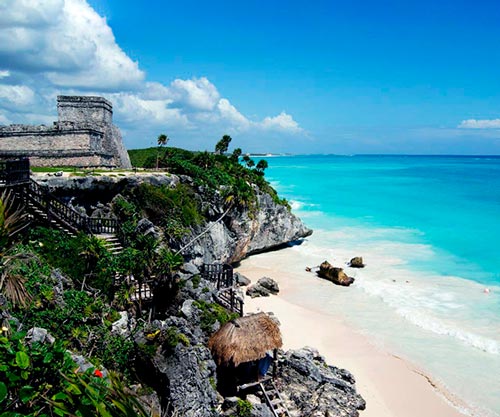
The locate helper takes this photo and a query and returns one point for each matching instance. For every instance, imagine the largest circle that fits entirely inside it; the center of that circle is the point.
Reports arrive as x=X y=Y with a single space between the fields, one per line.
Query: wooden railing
x=220 y=274
x=14 y=171
x=229 y=298
x=57 y=209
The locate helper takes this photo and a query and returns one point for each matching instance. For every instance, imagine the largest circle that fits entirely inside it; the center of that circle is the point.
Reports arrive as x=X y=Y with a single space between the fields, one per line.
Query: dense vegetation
x=234 y=176
x=66 y=285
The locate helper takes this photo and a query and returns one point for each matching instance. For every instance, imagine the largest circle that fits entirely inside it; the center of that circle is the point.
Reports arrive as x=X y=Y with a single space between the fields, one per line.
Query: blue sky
x=282 y=76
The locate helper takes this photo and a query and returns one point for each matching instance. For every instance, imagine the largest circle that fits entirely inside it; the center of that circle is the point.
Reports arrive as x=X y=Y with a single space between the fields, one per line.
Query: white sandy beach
x=391 y=386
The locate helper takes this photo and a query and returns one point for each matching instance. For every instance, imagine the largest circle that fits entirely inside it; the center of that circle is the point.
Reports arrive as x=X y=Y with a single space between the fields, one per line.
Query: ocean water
x=428 y=228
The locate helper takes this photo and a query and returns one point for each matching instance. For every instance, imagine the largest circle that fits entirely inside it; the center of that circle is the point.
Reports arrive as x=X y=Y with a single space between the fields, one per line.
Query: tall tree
x=261 y=166
x=223 y=145
x=235 y=155
x=162 y=141
x=248 y=161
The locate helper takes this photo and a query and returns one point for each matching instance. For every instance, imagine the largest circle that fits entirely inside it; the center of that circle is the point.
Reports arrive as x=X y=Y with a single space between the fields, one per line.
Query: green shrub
x=211 y=313
x=173 y=337
x=243 y=408
x=163 y=203
x=196 y=281
x=81 y=257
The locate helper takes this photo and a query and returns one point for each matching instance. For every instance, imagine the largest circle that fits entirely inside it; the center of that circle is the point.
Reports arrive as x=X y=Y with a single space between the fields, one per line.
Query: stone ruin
x=84 y=136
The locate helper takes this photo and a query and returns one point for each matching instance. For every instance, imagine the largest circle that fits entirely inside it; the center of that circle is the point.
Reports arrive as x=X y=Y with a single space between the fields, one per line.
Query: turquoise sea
x=428 y=228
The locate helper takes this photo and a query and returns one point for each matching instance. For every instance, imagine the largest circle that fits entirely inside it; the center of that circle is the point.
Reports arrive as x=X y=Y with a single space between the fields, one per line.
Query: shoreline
x=392 y=386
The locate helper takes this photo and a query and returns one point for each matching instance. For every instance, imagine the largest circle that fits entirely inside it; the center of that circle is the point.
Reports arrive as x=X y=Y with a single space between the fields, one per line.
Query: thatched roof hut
x=245 y=339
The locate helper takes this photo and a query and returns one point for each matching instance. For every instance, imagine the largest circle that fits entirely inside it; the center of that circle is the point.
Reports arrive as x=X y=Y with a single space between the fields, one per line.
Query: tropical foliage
x=216 y=172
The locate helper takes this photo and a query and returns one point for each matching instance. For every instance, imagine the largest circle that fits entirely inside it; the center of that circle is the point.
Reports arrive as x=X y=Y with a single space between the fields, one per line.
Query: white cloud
x=68 y=42
x=52 y=47
x=197 y=93
x=30 y=13
x=283 y=122
x=16 y=95
x=132 y=110
x=4 y=120
x=480 y=124
x=232 y=115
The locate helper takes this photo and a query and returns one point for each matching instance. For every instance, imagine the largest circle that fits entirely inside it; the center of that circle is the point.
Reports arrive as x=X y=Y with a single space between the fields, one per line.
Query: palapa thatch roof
x=245 y=339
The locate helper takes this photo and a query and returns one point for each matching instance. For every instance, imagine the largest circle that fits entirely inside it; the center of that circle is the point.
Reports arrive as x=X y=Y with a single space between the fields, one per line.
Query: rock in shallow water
x=357 y=262
x=334 y=274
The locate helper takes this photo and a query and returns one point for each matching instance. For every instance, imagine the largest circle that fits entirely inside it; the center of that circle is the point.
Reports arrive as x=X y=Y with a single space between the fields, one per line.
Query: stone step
x=111 y=243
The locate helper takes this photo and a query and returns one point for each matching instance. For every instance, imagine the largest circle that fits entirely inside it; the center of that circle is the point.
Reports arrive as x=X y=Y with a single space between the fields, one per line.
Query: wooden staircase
x=35 y=213
x=273 y=398
x=45 y=207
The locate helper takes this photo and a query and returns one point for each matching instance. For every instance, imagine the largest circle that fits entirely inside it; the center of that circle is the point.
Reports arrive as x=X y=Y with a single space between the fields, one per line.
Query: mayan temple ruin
x=84 y=136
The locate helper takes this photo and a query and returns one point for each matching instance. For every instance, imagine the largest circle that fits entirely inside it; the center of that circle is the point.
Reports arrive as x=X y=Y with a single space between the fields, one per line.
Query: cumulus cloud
x=132 y=109
x=67 y=42
x=480 y=124
x=197 y=93
x=230 y=113
x=16 y=95
x=4 y=120
x=52 y=47
x=282 y=122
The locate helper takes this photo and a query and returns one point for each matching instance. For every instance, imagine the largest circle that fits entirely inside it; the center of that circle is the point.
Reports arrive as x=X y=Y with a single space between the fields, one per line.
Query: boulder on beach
x=334 y=274
x=269 y=284
x=357 y=262
x=263 y=288
x=241 y=280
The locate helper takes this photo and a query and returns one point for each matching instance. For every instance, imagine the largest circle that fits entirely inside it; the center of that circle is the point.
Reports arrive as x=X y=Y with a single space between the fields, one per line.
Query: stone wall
x=85 y=110
x=84 y=136
x=51 y=139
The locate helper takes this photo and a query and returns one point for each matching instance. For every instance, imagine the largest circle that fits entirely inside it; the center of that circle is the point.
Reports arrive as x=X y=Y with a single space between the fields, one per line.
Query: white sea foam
x=300 y=205
x=443 y=305
x=435 y=325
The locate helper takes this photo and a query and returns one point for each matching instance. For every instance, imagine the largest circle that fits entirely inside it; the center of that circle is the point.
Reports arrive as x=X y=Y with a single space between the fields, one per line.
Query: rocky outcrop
x=240 y=233
x=334 y=274
x=243 y=233
x=315 y=389
x=111 y=184
x=308 y=386
x=189 y=371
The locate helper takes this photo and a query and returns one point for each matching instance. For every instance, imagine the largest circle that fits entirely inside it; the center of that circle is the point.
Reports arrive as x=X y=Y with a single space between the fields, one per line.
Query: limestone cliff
x=241 y=232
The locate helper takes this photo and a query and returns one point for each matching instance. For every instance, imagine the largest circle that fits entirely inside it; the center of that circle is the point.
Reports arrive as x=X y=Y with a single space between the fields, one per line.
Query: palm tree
x=261 y=166
x=235 y=155
x=162 y=141
x=248 y=161
x=222 y=145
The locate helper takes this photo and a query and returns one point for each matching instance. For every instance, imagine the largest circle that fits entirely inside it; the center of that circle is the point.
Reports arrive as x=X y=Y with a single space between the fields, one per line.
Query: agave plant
x=12 y=284
x=12 y=218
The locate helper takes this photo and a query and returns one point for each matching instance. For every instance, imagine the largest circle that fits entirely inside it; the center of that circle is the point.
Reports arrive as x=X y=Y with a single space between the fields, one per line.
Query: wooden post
x=275 y=363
